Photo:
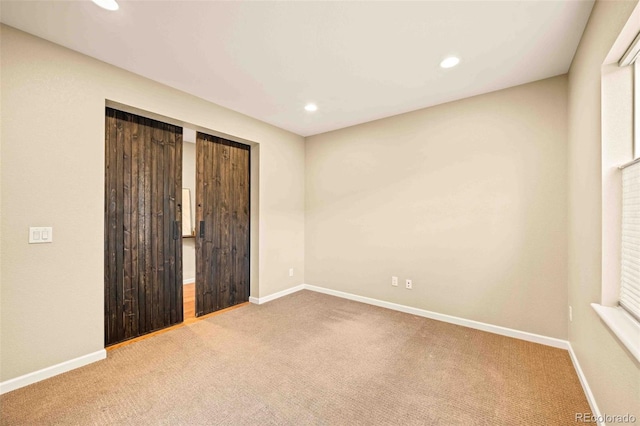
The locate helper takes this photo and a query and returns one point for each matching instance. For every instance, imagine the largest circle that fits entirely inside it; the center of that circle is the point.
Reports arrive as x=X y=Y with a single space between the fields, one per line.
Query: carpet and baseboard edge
x=496 y=329
x=54 y=370
x=503 y=331
x=585 y=385
x=45 y=373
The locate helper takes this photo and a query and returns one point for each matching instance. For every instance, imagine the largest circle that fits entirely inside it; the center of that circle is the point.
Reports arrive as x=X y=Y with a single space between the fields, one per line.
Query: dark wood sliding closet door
x=143 y=237
x=222 y=218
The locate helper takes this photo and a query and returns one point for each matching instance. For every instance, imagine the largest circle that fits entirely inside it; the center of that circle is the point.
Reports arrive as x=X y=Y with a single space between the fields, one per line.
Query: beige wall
x=467 y=199
x=612 y=373
x=52 y=156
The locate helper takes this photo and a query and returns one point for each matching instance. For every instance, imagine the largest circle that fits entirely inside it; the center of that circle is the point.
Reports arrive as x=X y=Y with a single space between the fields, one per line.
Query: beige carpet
x=310 y=358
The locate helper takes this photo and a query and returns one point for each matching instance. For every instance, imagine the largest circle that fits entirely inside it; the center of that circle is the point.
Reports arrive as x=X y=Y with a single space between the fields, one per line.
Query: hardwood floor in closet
x=189 y=297
x=189 y=302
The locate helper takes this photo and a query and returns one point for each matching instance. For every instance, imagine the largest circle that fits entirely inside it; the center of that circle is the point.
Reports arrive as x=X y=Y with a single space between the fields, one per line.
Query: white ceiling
x=358 y=61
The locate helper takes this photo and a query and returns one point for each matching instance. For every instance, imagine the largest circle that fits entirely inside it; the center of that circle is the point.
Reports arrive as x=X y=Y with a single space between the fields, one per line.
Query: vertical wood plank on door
x=149 y=253
x=110 y=222
x=133 y=233
x=234 y=283
x=199 y=288
x=159 y=233
x=140 y=199
x=170 y=213
x=169 y=216
x=246 y=212
x=214 y=216
x=224 y=227
x=153 y=241
x=211 y=215
x=107 y=274
x=119 y=231
x=166 y=233
x=241 y=208
x=177 y=217
x=127 y=309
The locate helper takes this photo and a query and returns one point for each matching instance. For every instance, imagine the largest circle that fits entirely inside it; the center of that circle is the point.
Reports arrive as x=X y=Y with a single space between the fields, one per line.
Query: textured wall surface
x=467 y=199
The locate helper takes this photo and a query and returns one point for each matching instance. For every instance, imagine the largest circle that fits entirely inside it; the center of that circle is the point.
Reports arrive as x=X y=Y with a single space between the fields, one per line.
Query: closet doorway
x=188 y=222
x=144 y=235
x=143 y=259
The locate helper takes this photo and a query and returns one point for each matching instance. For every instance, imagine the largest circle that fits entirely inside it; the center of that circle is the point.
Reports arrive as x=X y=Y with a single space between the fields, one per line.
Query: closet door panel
x=240 y=240
x=143 y=190
x=222 y=240
x=110 y=223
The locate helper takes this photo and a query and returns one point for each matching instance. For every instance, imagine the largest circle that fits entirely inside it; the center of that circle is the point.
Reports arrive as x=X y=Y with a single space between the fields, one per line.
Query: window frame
x=636 y=109
x=616 y=156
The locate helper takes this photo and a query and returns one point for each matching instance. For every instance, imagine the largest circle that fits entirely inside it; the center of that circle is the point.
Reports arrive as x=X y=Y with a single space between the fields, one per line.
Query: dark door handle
x=176 y=230
x=202 y=229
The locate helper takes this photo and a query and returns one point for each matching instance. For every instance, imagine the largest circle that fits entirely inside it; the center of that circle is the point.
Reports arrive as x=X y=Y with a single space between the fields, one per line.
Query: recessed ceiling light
x=450 y=62
x=107 y=4
x=311 y=107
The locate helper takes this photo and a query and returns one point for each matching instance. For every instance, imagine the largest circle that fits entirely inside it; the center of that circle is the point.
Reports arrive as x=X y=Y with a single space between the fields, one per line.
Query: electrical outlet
x=290 y=272
x=570 y=314
x=409 y=284
x=394 y=281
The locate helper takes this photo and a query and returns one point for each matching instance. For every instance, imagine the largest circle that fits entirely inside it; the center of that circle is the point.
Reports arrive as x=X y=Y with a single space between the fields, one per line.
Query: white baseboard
x=54 y=370
x=585 y=385
x=496 y=329
x=269 y=298
x=189 y=281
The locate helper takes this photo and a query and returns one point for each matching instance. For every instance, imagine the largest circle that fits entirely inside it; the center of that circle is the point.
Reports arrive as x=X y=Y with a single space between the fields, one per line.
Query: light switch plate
x=40 y=234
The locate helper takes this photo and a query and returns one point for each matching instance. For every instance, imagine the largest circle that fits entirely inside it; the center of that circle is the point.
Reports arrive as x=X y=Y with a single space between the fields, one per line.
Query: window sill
x=623 y=325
